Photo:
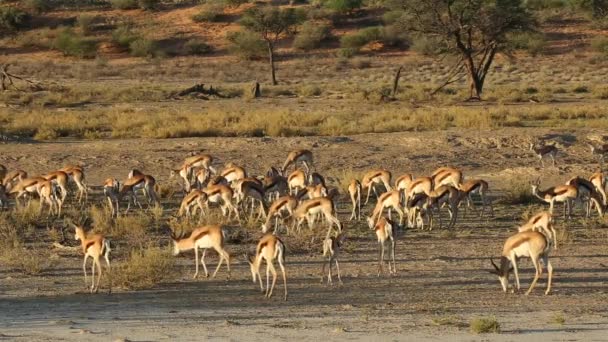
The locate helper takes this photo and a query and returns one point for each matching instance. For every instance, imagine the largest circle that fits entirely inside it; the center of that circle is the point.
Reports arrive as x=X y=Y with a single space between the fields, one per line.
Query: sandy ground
x=442 y=281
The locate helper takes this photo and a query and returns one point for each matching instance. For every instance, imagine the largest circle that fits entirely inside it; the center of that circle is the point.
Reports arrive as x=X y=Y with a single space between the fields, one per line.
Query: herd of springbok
x=283 y=200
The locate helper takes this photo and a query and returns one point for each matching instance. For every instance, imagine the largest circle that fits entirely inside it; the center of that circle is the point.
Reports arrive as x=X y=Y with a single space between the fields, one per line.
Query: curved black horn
x=493 y=264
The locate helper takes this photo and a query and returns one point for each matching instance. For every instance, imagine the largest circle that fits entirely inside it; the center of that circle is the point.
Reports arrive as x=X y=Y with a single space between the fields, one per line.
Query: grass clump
x=124 y=4
x=12 y=19
x=25 y=261
x=209 y=13
x=484 y=325
x=519 y=192
x=143 y=47
x=197 y=47
x=38 y=6
x=144 y=268
x=123 y=36
x=558 y=318
x=534 y=43
x=246 y=44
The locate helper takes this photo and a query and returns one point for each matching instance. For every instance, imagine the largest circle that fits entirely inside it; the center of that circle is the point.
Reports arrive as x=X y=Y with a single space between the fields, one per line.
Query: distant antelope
x=283 y=204
x=222 y=195
x=561 y=193
x=421 y=185
x=524 y=244
x=354 y=190
x=444 y=195
x=26 y=187
x=385 y=230
x=390 y=200
x=202 y=178
x=599 y=182
x=94 y=246
x=544 y=151
x=59 y=178
x=416 y=207
x=296 y=181
x=111 y=190
x=249 y=189
x=137 y=181
x=76 y=174
x=233 y=173
x=308 y=209
x=447 y=176
x=600 y=151
x=269 y=249
x=193 y=200
x=480 y=187
x=200 y=160
x=371 y=178
x=542 y=222
x=331 y=250
x=588 y=193
x=203 y=238
x=298 y=156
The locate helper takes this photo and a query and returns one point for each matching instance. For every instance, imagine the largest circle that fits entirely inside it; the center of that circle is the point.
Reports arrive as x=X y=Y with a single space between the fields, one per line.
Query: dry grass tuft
x=144 y=268
x=26 y=261
x=484 y=325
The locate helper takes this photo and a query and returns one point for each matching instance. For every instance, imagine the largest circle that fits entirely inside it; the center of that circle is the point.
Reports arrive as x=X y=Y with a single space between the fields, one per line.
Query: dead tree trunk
x=255 y=90
x=396 y=82
x=271 y=58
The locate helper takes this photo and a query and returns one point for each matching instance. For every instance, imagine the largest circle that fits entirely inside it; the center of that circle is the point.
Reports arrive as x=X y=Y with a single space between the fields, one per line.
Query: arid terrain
x=441 y=284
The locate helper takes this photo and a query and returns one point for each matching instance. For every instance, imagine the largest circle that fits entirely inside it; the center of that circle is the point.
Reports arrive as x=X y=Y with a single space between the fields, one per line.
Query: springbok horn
x=493 y=264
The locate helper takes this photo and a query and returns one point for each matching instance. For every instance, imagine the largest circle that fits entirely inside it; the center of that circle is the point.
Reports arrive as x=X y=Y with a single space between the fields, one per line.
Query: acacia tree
x=272 y=23
x=472 y=30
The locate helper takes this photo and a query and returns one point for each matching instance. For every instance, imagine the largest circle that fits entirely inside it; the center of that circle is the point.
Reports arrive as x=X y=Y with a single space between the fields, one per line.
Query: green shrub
x=124 y=4
x=395 y=36
x=12 y=19
x=123 y=36
x=197 y=47
x=351 y=43
x=246 y=44
x=532 y=42
x=38 y=6
x=143 y=47
x=85 y=22
x=347 y=52
x=72 y=44
x=343 y=6
x=428 y=46
x=311 y=35
x=546 y=4
x=208 y=13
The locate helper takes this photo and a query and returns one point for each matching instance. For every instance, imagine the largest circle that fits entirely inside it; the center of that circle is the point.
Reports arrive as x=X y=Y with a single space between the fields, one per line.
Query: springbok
x=278 y=208
x=385 y=230
x=331 y=250
x=561 y=193
x=298 y=156
x=354 y=190
x=76 y=174
x=543 y=222
x=296 y=181
x=374 y=177
x=193 y=200
x=390 y=200
x=447 y=176
x=269 y=249
x=479 y=186
x=543 y=151
x=205 y=237
x=529 y=244
x=94 y=246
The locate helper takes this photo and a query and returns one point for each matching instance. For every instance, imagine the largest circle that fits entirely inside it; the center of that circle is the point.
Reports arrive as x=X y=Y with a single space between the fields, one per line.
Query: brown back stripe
x=89 y=244
x=200 y=235
x=536 y=219
x=560 y=192
x=444 y=175
x=521 y=241
x=261 y=246
x=379 y=173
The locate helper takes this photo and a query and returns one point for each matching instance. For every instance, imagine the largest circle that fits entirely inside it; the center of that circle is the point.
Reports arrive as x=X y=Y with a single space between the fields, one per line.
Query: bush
x=46 y=133
x=26 y=261
x=38 y=6
x=428 y=46
x=532 y=42
x=197 y=47
x=148 y=5
x=143 y=47
x=343 y=6
x=247 y=44
x=124 y=4
x=395 y=36
x=85 y=22
x=144 y=269
x=310 y=90
x=123 y=36
x=235 y=3
x=208 y=13
x=351 y=43
x=483 y=325
x=75 y=45
x=11 y=18
x=311 y=35
x=519 y=192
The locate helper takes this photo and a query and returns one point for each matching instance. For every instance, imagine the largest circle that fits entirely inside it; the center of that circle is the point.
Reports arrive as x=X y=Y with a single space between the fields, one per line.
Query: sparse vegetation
x=311 y=35
x=246 y=44
x=11 y=18
x=197 y=47
x=208 y=13
x=484 y=325
x=124 y=4
x=72 y=44
x=144 y=268
x=519 y=192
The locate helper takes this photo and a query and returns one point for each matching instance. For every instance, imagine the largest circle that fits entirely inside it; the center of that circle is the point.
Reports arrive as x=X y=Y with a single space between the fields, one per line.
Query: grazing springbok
x=296 y=181
x=193 y=200
x=277 y=209
x=447 y=176
x=136 y=181
x=76 y=174
x=476 y=186
x=252 y=189
x=444 y=195
x=354 y=191
x=26 y=187
x=275 y=186
x=12 y=178
x=298 y=156
x=587 y=195
x=544 y=151
x=374 y=177
x=308 y=210
x=185 y=173
x=205 y=237
x=94 y=246
x=600 y=151
x=529 y=244
x=417 y=207
x=403 y=182
x=233 y=173
x=59 y=178
x=222 y=195
x=385 y=230
x=543 y=222
x=312 y=191
x=391 y=200
x=331 y=250
x=200 y=160
x=269 y=249
x=421 y=185
x=562 y=193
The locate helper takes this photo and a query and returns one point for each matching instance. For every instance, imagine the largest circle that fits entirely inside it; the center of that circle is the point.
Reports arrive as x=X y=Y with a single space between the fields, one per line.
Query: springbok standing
x=298 y=156
x=385 y=230
x=331 y=250
x=354 y=190
x=269 y=249
x=203 y=238
x=544 y=151
x=374 y=177
x=94 y=246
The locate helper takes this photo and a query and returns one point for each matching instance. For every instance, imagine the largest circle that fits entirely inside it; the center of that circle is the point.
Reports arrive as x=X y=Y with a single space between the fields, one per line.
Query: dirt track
x=442 y=276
